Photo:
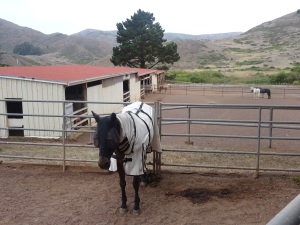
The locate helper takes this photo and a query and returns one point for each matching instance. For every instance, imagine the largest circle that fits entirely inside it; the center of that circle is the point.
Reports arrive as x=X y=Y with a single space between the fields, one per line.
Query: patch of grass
x=249 y=62
x=153 y=179
x=297 y=180
x=240 y=50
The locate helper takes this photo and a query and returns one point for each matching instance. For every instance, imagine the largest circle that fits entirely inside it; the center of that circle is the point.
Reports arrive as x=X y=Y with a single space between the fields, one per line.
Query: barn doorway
x=126 y=91
x=76 y=93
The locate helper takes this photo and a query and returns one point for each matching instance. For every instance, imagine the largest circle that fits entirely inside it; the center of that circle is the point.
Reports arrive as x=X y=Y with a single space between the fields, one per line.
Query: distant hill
x=110 y=36
x=271 y=44
x=107 y=36
x=176 y=36
x=71 y=49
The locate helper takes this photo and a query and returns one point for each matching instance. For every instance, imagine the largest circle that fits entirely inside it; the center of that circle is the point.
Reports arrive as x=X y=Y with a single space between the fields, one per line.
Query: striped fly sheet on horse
x=124 y=140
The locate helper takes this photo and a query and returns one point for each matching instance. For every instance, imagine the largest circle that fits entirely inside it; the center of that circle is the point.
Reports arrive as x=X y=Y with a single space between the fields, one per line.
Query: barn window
x=14 y=107
x=16 y=132
x=94 y=83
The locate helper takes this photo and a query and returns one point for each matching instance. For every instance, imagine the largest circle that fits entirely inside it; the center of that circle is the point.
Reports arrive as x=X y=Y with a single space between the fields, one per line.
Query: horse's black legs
x=121 y=173
x=136 y=185
x=123 y=208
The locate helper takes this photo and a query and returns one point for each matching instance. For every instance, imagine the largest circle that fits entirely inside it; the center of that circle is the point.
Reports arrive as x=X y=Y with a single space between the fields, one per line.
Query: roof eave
x=103 y=77
x=33 y=79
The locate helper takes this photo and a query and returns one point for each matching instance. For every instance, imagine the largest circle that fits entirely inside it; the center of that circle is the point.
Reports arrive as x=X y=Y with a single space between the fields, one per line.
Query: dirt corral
x=45 y=195
x=40 y=194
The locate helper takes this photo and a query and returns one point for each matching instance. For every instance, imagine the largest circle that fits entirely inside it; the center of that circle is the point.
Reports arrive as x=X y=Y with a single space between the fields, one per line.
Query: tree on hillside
x=27 y=48
x=141 y=44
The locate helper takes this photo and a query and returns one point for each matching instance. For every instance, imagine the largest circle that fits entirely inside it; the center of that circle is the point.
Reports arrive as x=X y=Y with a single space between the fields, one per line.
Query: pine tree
x=141 y=44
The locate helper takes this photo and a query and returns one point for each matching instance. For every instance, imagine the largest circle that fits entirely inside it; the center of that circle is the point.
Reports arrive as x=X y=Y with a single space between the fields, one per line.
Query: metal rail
x=224 y=89
x=62 y=141
x=258 y=123
x=163 y=121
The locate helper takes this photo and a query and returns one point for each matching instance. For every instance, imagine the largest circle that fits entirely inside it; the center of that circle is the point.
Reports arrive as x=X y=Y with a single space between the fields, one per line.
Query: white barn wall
x=30 y=90
x=111 y=90
x=135 y=88
x=154 y=81
x=3 y=120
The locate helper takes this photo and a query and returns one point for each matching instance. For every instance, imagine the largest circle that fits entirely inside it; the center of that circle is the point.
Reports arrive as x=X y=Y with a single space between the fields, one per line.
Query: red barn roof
x=64 y=74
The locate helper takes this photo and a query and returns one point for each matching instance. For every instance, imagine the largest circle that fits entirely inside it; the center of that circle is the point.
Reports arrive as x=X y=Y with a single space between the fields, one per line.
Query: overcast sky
x=186 y=16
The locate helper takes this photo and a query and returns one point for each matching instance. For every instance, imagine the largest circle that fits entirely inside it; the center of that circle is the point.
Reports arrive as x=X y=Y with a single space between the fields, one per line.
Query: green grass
x=285 y=76
x=297 y=180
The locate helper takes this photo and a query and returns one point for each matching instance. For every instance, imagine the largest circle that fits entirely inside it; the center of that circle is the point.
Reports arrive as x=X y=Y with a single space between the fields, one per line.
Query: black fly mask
x=106 y=138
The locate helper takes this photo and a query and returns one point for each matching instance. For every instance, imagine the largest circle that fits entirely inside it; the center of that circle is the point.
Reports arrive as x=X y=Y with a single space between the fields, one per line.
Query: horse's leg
x=121 y=173
x=136 y=184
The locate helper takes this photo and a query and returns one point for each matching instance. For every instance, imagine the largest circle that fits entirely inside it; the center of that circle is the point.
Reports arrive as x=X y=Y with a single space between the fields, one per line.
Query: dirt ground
x=41 y=194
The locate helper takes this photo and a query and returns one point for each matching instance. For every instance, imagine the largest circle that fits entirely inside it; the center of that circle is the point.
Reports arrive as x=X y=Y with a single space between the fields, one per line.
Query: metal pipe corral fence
x=226 y=90
x=187 y=120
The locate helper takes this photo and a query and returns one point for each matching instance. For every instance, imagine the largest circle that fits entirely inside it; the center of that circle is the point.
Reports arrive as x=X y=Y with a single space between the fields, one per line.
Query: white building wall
x=111 y=90
x=154 y=81
x=31 y=90
x=135 y=88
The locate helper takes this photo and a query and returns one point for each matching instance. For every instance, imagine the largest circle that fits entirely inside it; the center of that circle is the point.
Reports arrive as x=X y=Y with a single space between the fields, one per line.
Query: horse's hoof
x=136 y=212
x=123 y=211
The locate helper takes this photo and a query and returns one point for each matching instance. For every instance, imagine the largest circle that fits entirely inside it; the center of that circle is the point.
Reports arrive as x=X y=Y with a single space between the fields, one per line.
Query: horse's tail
x=269 y=94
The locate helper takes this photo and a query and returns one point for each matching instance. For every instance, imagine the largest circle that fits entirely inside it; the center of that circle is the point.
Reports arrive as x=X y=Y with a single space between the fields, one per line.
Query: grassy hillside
x=266 y=49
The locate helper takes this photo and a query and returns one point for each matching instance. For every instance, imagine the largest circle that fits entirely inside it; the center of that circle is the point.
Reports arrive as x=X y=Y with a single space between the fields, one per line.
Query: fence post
x=271 y=127
x=90 y=127
x=64 y=136
x=258 y=143
x=189 y=127
x=157 y=155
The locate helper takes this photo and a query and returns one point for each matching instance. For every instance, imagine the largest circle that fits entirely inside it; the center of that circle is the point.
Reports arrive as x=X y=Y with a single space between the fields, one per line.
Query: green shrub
x=297 y=180
x=249 y=62
x=27 y=48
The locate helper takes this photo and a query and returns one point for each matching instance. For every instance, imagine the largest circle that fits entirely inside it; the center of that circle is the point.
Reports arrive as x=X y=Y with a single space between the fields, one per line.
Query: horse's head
x=251 y=89
x=106 y=137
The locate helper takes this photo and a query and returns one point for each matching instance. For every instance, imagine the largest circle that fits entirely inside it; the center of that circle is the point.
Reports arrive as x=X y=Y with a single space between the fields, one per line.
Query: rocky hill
x=271 y=44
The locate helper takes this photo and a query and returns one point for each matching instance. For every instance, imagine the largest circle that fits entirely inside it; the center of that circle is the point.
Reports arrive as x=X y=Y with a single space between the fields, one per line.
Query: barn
x=68 y=82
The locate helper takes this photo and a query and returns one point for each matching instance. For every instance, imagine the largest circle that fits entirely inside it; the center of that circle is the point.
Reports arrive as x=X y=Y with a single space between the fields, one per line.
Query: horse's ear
x=113 y=118
x=96 y=116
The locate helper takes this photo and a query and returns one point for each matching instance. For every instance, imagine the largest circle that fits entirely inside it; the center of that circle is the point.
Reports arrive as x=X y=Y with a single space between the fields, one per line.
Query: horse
x=255 y=91
x=124 y=139
x=165 y=87
x=265 y=90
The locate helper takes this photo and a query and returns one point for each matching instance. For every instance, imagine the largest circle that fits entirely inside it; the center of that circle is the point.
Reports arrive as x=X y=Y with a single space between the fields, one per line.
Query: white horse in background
x=256 y=92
